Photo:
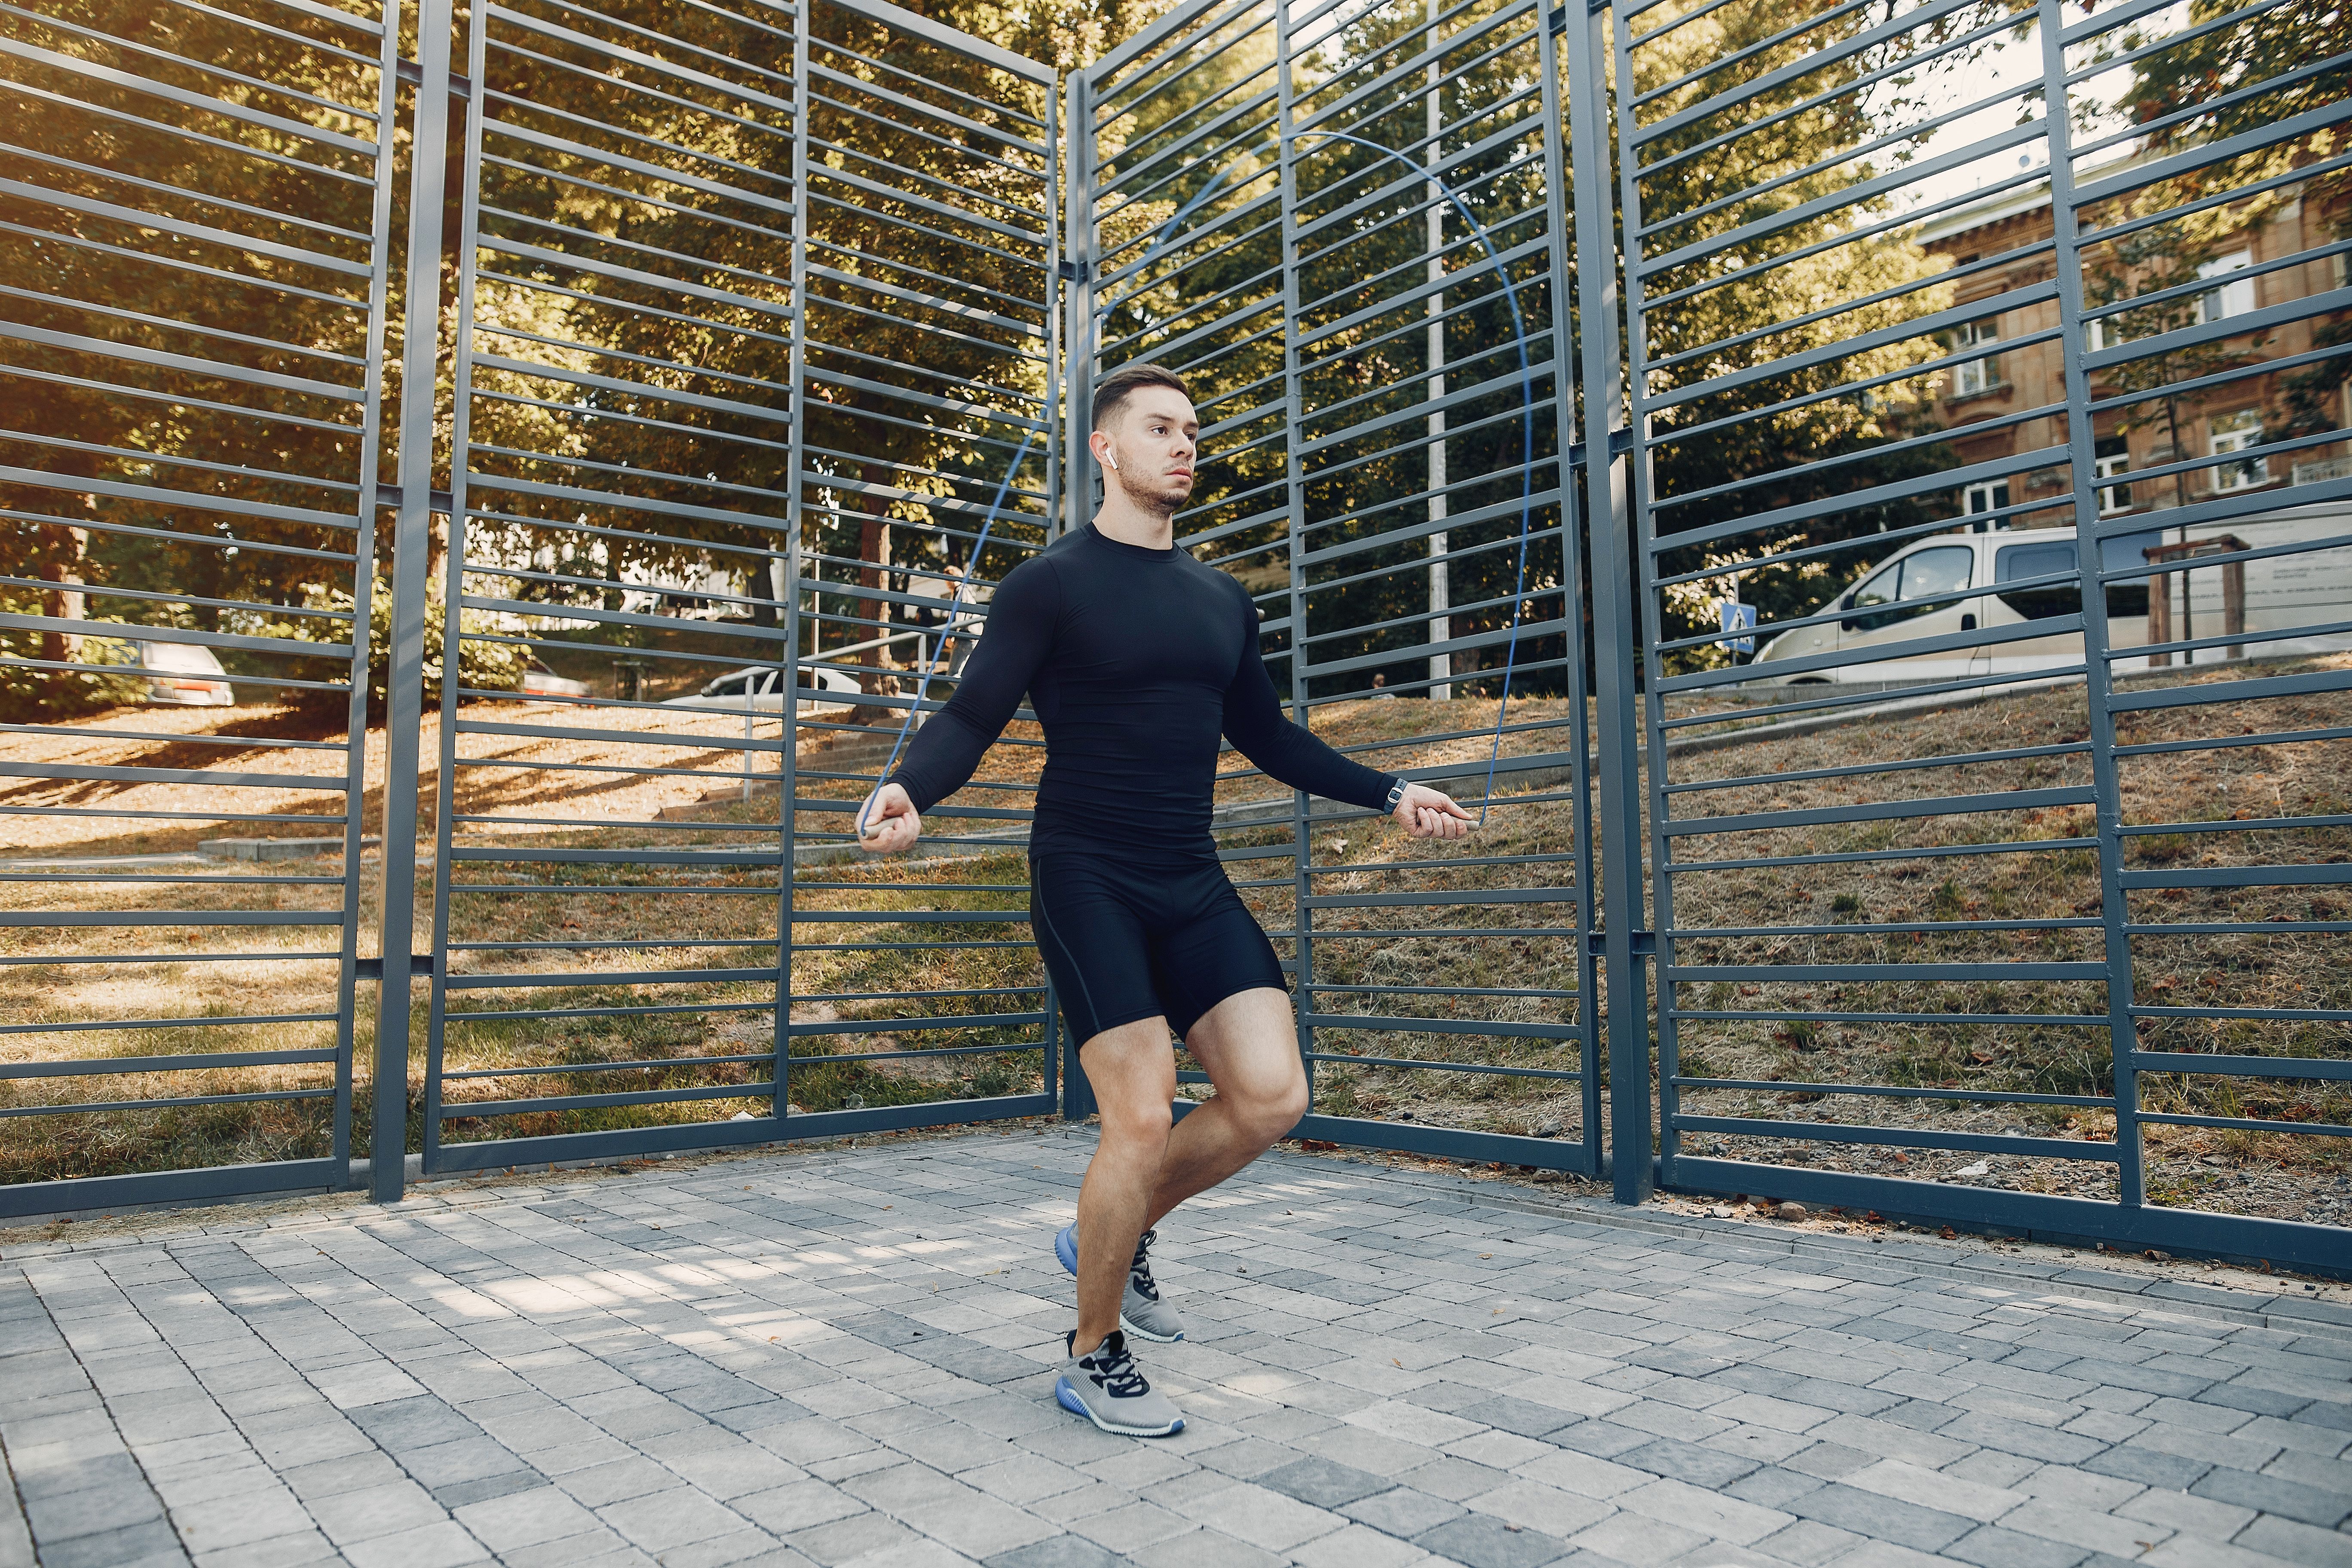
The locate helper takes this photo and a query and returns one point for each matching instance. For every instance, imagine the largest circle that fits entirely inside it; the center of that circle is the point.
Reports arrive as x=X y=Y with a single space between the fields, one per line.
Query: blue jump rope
x=931 y=664
x=1526 y=462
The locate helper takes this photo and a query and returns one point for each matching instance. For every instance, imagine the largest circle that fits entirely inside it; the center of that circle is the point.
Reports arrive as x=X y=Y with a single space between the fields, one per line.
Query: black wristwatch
x=1396 y=794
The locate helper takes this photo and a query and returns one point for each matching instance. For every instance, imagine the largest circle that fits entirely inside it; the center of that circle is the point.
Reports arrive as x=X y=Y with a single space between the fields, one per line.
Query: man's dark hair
x=1128 y=379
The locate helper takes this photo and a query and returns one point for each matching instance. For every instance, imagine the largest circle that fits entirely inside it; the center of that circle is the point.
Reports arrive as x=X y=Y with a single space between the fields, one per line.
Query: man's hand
x=1426 y=813
x=891 y=822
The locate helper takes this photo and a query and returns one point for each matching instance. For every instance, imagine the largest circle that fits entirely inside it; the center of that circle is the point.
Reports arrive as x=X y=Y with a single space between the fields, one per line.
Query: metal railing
x=1893 y=356
x=1955 y=352
x=753 y=316
x=192 y=340
x=1345 y=225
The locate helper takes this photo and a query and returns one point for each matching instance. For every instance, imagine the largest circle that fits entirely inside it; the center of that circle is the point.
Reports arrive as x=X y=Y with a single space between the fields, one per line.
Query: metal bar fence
x=754 y=342
x=1347 y=227
x=1959 y=629
x=1998 y=954
x=193 y=342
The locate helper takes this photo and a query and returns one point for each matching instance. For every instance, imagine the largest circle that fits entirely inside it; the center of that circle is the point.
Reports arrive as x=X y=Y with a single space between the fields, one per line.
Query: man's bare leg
x=1141 y=1170
x=1249 y=1044
x=1133 y=1071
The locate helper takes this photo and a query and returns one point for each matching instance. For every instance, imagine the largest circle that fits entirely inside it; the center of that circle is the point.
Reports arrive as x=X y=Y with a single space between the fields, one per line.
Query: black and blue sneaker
x=1105 y=1387
x=1141 y=1312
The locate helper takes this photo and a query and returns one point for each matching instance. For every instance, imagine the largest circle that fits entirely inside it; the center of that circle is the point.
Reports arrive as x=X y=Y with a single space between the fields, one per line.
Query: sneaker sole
x=1143 y=1333
x=1067 y=1398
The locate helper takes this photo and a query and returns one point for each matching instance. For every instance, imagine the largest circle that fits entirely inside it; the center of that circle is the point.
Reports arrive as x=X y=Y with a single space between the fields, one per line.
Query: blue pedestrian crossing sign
x=1738 y=617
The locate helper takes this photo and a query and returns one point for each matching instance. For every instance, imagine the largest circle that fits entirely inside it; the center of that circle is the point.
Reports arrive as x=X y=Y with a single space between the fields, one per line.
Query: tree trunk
x=63 y=550
x=874 y=553
x=761 y=589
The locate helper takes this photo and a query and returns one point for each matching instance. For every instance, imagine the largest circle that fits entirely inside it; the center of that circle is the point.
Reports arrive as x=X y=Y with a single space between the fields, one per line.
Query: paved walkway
x=841 y=1356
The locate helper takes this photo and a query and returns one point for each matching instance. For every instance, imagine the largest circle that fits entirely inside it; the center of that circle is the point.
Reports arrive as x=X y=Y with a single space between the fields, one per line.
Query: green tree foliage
x=2232 y=68
x=1777 y=289
x=1360 y=282
x=663 y=157
x=650 y=168
x=1194 y=264
x=185 y=325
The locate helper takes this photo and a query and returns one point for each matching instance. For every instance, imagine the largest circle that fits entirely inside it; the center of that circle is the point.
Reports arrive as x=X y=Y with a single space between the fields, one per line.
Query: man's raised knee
x=1144 y=1123
x=1273 y=1112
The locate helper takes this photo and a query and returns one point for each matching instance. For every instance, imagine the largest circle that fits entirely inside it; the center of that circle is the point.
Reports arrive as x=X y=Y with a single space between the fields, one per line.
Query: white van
x=184 y=675
x=2282 y=594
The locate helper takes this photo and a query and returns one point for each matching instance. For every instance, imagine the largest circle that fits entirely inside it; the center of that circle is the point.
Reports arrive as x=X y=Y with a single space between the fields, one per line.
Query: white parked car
x=538 y=680
x=2281 y=594
x=184 y=675
x=759 y=689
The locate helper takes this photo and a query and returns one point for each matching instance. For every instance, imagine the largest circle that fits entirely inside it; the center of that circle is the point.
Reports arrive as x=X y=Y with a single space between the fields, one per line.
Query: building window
x=2235 y=297
x=1992 y=497
x=2239 y=432
x=1972 y=376
x=2112 y=460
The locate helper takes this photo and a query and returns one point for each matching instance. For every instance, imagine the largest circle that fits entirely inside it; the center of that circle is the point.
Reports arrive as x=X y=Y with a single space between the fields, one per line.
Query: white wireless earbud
x=1111 y=460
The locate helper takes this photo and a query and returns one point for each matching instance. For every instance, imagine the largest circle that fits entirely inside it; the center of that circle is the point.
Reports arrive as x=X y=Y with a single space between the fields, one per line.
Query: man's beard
x=1155 y=501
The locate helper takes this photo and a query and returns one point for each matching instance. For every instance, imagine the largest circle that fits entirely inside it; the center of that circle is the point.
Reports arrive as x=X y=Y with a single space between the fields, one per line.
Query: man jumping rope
x=1135 y=656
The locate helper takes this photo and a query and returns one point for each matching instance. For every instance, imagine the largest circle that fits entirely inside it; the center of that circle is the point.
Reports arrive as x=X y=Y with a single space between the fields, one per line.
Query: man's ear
x=1101 y=451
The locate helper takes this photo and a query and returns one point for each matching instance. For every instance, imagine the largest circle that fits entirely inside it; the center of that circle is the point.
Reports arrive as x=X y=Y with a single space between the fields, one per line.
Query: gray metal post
x=2098 y=676
x=1616 y=622
x=1061 y=166
x=1440 y=594
x=1302 y=848
x=788 y=785
x=362 y=605
x=1574 y=526
x=1077 y=471
x=412 y=531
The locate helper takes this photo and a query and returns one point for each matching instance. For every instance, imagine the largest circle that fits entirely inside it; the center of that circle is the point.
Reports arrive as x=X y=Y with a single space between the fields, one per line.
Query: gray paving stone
x=1511 y=1414
x=1884 y=1519
x=2145 y=1465
x=1829 y=1460
x=1990 y=1546
x=61 y=1516
x=1061 y=1552
x=677 y=1517
x=1402 y=1512
x=1772 y=1487
x=1479 y=1541
x=2024 y=1438
x=1601 y=1439
x=2270 y=1494
x=151 y=1542
x=1690 y=1462
x=1808 y=1544
x=420 y=1422
x=2293 y=1542
x=372 y=1512
x=543 y=1514
x=1321 y=1482
x=108 y=1472
x=1652 y=1397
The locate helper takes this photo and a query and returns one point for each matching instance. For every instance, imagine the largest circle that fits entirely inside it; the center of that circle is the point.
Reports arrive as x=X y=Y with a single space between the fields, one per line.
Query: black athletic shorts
x=1124 y=940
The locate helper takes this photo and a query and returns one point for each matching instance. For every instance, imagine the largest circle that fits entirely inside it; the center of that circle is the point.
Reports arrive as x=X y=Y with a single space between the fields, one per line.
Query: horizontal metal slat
x=194 y=1062
x=1899 y=1137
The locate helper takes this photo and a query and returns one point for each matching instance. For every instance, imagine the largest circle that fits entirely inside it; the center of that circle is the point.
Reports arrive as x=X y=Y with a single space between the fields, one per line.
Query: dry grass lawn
x=878 y=947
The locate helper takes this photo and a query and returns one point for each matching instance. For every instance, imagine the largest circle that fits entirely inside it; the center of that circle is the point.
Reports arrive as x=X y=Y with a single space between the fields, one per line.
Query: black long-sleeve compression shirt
x=1134 y=661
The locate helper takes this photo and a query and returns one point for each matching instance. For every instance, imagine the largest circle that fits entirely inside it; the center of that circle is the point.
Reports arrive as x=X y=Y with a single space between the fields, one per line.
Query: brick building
x=2215 y=422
